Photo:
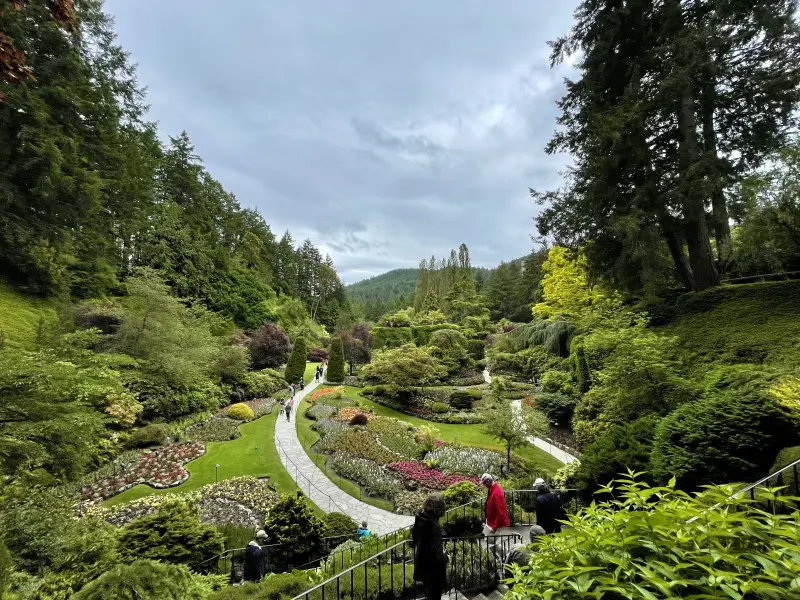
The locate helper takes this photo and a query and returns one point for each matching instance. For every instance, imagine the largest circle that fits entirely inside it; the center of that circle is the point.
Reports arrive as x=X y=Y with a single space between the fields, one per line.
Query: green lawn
x=469 y=435
x=252 y=454
x=308 y=438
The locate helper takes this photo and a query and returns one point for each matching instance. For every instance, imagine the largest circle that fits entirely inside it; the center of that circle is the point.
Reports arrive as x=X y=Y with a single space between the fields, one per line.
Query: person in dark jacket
x=254 y=558
x=430 y=562
x=548 y=509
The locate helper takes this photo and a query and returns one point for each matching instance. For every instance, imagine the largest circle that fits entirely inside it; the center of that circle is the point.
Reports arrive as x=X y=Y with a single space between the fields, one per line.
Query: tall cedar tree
x=675 y=103
x=335 y=372
x=296 y=367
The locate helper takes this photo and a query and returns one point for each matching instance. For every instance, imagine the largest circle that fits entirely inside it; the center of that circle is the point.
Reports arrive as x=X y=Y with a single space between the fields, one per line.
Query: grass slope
x=252 y=454
x=20 y=316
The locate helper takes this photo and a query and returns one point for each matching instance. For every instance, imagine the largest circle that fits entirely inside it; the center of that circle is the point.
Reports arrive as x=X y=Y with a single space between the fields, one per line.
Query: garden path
x=554 y=451
x=316 y=485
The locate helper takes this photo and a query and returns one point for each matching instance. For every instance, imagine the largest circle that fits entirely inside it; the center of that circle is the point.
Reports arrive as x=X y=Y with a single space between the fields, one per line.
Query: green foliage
x=391 y=337
x=567 y=476
x=423 y=334
x=335 y=371
x=662 y=543
x=618 y=450
x=552 y=334
x=149 y=435
x=337 y=523
x=558 y=382
x=269 y=346
x=292 y=521
x=296 y=367
x=146 y=580
x=463 y=399
x=506 y=363
x=404 y=367
x=505 y=425
x=240 y=411
x=786 y=457
x=277 y=586
x=556 y=406
x=263 y=384
x=449 y=346
x=20 y=316
x=566 y=286
x=461 y=493
x=6 y=568
x=173 y=534
x=236 y=536
x=732 y=434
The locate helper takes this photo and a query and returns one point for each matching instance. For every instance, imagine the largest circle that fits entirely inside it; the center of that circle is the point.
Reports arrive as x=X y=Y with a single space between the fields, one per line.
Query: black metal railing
x=474 y=564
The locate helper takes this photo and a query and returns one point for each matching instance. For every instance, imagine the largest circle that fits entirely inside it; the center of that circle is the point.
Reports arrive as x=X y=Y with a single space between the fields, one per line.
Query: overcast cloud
x=384 y=131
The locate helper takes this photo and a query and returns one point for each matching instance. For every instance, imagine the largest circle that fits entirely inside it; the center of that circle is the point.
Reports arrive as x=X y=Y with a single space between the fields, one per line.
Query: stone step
x=495 y=595
x=479 y=597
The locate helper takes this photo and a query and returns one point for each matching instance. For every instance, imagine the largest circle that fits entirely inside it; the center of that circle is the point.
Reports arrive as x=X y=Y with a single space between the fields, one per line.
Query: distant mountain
x=387 y=286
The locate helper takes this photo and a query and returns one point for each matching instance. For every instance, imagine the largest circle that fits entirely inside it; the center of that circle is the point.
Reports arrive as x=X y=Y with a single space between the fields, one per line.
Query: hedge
x=422 y=333
x=391 y=337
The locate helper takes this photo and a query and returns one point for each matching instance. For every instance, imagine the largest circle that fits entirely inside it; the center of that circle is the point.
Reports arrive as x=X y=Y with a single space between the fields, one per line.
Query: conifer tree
x=335 y=372
x=296 y=366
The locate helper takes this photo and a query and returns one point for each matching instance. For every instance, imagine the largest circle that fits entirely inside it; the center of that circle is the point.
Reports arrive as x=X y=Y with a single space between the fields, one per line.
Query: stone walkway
x=554 y=451
x=316 y=485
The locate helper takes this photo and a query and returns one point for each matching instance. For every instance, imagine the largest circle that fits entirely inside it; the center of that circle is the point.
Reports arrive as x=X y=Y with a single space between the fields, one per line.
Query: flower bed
x=324 y=392
x=470 y=461
x=215 y=429
x=347 y=413
x=321 y=411
x=160 y=468
x=408 y=503
x=357 y=443
x=261 y=406
x=368 y=474
x=401 y=443
x=327 y=427
x=429 y=478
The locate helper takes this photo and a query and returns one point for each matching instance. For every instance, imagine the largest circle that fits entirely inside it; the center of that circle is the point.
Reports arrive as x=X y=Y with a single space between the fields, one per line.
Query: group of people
x=320 y=371
x=287 y=405
x=430 y=559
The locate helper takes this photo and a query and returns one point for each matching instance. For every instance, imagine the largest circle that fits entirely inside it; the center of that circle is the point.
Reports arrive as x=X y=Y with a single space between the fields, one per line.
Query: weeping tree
x=553 y=334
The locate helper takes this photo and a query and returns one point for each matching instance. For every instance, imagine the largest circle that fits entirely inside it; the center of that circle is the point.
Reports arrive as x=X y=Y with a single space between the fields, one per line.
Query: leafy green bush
x=460 y=493
x=146 y=580
x=662 y=543
x=439 y=407
x=476 y=349
x=6 y=568
x=733 y=434
x=275 y=586
x=506 y=363
x=296 y=366
x=337 y=523
x=150 y=435
x=620 y=448
x=335 y=371
x=391 y=337
x=557 y=406
x=241 y=412
x=557 y=382
x=263 y=384
x=174 y=534
x=463 y=399
x=291 y=521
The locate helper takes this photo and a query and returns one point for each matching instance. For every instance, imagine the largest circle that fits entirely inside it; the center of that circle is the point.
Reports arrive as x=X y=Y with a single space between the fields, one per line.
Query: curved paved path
x=316 y=485
x=554 y=451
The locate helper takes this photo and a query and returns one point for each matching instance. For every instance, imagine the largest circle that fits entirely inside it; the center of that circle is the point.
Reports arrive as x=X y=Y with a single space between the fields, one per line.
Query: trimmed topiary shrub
x=439 y=407
x=241 y=412
x=150 y=435
x=337 y=523
x=296 y=366
x=146 y=580
x=335 y=371
x=463 y=399
x=359 y=419
x=291 y=521
x=173 y=534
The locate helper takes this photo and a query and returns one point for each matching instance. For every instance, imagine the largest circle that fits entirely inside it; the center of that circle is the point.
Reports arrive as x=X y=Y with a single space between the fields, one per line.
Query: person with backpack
x=548 y=508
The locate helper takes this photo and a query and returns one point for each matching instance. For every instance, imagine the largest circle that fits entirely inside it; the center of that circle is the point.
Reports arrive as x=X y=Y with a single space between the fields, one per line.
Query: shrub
x=733 y=434
x=269 y=347
x=620 y=448
x=566 y=476
x=174 y=534
x=292 y=522
x=262 y=406
x=476 y=349
x=786 y=457
x=240 y=412
x=262 y=384
x=557 y=406
x=145 y=580
x=439 y=407
x=391 y=337
x=6 y=568
x=335 y=371
x=296 y=365
x=317 y=355
x=337 y=523
x=461 y=493
x=462 y=399
x=150 y=435
x=359 y=419
x=557 y=382
x=505 y=363
x=647 y=544
x=275 y=586
x=215 y=429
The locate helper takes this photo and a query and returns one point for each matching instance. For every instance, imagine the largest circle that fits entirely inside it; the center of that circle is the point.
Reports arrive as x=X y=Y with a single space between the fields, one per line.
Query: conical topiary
x=335 y=372
x=296 y=367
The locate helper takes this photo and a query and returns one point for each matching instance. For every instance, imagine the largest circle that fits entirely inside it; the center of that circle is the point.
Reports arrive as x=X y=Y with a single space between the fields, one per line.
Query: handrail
x=785 y=274
x=298 y=472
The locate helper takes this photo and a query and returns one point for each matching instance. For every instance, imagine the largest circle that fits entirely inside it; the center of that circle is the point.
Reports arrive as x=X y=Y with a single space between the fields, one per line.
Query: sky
x=383 y=131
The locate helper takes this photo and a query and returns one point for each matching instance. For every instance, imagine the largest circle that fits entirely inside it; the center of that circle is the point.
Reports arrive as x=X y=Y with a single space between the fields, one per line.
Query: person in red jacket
x=496 y=512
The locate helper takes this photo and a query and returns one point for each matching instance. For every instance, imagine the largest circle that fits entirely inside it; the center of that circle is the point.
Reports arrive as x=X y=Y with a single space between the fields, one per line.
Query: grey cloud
x=385 y=132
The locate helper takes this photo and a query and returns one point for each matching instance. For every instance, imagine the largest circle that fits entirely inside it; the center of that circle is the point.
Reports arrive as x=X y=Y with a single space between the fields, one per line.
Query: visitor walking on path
x=288 y=411
x=302 y=383
x=430 y=561
x=283 y=406
x=496 y=512
x=548 y=508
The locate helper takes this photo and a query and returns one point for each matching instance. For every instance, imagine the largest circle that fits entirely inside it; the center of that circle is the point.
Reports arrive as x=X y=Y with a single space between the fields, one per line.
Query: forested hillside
x=383 y=293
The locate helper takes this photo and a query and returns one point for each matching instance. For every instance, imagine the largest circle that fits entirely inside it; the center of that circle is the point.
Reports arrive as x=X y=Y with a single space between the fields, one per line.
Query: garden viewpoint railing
x=474 y=564
x=307 y=486
x=784 y=276
x=274 y=556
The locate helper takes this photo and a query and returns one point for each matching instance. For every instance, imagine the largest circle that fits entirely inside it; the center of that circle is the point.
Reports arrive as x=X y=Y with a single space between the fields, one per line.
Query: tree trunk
x=508 y=456
x=675 y=245
x=701 y=257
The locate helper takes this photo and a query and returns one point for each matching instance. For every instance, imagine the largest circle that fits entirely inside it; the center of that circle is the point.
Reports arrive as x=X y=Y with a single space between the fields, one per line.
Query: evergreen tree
x=296 y=366
x=335 y=372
